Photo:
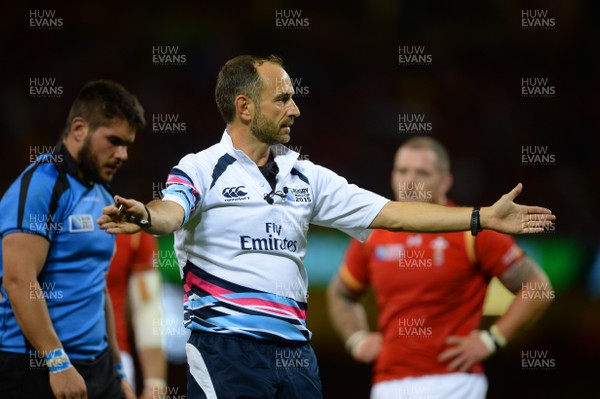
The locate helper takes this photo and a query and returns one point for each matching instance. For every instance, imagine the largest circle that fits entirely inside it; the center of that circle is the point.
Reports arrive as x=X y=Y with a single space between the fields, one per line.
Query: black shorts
x=26 y=377
x=227 y=366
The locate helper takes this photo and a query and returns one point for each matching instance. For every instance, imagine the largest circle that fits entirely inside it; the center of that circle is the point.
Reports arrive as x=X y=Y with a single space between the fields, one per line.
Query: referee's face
x=417 y=176
x=105 y=150
x=275 y=112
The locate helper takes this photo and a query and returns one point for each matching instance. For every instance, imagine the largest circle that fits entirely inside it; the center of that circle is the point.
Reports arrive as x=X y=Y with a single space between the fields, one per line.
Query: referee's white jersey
x=241 y=245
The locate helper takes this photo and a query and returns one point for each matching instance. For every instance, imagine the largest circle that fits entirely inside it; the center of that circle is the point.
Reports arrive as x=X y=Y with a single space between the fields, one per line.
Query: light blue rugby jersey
x=49 y=199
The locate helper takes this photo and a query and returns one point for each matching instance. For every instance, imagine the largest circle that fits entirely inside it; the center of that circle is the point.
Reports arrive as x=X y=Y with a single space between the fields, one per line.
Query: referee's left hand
x=506 y=216
x=113 y=220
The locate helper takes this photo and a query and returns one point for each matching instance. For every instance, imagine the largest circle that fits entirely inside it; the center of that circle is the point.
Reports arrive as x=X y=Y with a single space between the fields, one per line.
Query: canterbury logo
x=234 y=192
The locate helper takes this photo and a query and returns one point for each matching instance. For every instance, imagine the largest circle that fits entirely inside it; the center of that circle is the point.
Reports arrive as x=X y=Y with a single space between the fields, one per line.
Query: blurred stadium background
x=352 y=90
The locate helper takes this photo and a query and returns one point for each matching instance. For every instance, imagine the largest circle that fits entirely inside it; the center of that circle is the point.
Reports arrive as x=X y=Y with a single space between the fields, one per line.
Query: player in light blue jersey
x=240 y=211
x=56 y=329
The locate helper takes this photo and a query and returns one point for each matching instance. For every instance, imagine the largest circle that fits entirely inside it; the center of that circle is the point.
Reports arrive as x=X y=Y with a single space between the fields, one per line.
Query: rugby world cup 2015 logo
x=297 y=194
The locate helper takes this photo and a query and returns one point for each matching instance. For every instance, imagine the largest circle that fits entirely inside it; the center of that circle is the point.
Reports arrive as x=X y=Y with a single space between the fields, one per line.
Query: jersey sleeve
x=185 y=186
x=354 y=272
x=33 y=204
x=496 y=252
x=344 y=206
x=145 y=252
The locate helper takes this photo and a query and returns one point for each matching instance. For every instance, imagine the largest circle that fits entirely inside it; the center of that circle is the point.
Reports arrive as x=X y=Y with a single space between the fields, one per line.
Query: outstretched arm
x=505 y=216
x=166 y=217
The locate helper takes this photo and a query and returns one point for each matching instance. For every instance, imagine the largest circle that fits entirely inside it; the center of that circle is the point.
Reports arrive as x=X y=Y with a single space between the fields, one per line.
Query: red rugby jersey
x=427 y=287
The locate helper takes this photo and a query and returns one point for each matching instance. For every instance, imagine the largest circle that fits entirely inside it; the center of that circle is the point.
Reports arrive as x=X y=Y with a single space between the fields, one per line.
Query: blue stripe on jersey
x=207 y=306
x=257 y=326
x=255 y=330
x=181 y=173
x=215 y=305
x=301 y=176
x=60 y=186
x=240 y=290
x=179 y=184
x=25 y=181
x=185 y=193
x=220 y=167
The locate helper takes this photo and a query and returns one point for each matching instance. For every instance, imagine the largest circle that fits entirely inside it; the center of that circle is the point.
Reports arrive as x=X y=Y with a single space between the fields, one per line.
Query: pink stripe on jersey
x=177 y=179
x=212 y=289
x=257 y=303
x=263 y=303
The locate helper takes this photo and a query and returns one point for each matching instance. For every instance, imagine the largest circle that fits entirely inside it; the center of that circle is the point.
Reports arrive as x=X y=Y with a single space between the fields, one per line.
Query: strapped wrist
x=355 y=339
x=154 y=382
x=487 y=340
x=497 y=336
x=57 y=361
x=120 y=370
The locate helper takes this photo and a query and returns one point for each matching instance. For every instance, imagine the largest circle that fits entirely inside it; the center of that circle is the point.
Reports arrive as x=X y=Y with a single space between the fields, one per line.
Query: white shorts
x=442 y=386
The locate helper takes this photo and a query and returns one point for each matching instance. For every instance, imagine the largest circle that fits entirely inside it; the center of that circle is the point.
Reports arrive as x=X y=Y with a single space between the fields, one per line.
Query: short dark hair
x=426 y=142
x=240 y=76
x=99 y=102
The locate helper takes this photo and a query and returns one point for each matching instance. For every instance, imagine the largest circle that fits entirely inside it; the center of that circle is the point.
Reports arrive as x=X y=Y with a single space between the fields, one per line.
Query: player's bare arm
x=23 y=256
x=526 y=275
x=533 y=294
x=165 y=216
x=349 y=317
x=505 y=216
x=145 y=297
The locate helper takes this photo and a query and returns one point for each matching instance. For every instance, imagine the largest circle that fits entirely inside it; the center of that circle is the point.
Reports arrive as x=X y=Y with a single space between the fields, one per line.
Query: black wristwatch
x=475 y=223
x=143 y=223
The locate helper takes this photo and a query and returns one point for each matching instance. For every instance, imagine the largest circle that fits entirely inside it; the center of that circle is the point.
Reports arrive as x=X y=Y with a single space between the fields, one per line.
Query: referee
x=57 y=334
x=240 y=211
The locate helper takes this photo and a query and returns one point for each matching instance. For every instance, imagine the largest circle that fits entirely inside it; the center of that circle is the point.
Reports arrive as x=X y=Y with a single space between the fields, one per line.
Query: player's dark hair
x=99 y=102
x=421 y=142
x=240 y=76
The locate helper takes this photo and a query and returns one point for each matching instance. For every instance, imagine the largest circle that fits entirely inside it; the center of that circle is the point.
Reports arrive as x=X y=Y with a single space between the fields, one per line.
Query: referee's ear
x=244 y=108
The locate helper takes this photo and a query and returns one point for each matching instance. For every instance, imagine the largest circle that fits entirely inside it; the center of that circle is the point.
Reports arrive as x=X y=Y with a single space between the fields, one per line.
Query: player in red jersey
x=134 y=286
x=430 y=290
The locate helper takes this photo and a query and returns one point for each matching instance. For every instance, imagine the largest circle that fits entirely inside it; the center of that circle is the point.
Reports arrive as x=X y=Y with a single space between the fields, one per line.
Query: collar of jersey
x=69 y=164
x=285 y=157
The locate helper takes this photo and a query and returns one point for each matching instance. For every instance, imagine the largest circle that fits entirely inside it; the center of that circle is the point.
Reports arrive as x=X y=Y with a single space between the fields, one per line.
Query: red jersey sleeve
x=144 y=253
x=496 y=252
x=355 y=271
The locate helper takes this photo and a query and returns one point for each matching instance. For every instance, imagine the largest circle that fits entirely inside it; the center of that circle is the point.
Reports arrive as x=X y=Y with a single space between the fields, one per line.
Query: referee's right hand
x=113 y=220
x=68 y=384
